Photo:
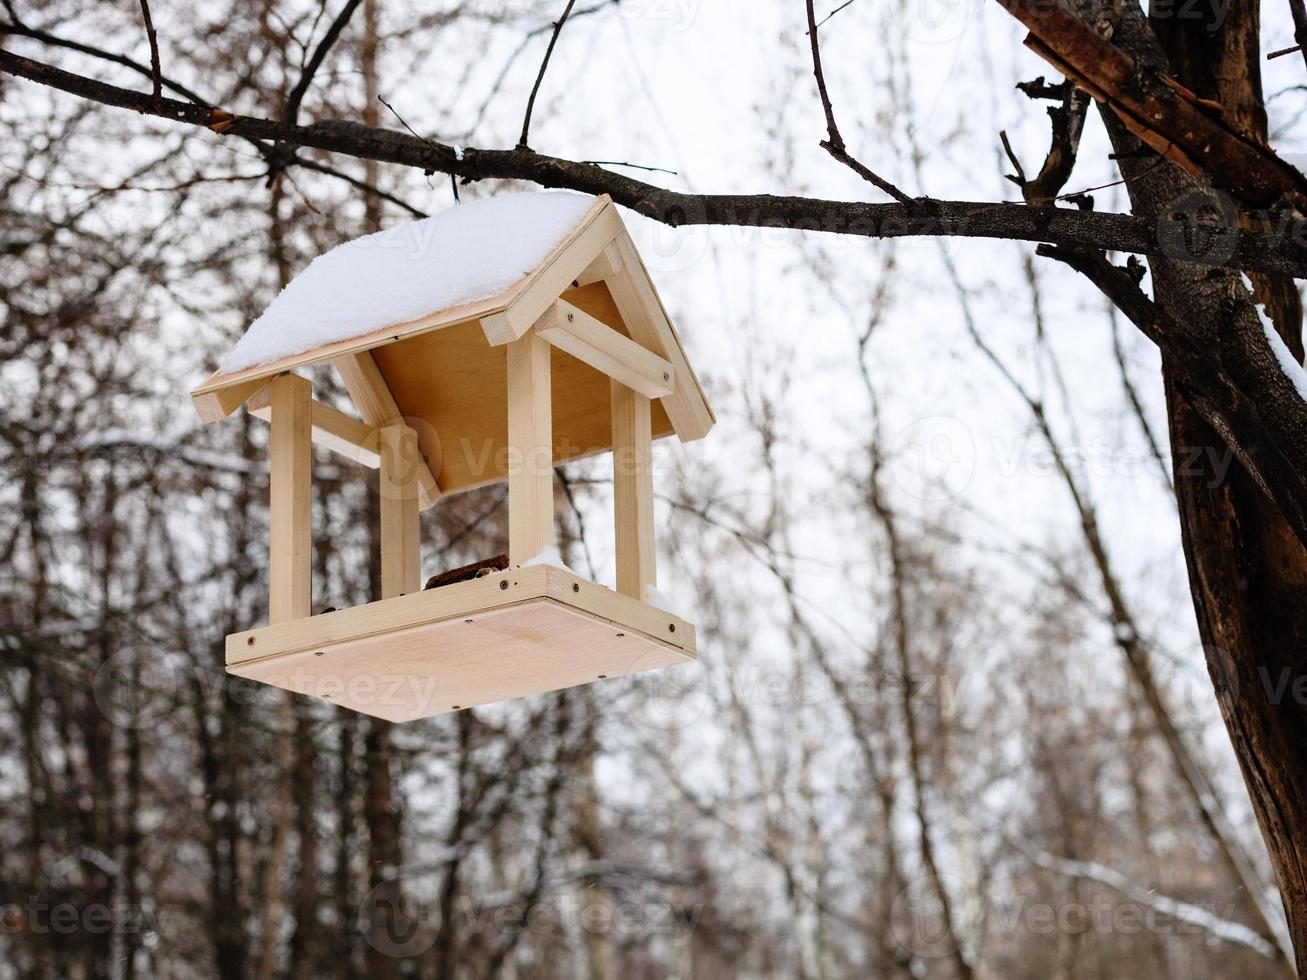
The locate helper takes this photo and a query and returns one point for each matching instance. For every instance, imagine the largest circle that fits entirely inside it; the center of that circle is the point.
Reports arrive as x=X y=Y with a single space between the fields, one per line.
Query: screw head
x=504 y=584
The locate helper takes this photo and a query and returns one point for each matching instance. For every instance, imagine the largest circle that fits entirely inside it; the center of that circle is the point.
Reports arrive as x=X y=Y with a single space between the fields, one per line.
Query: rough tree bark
x=1247 y=568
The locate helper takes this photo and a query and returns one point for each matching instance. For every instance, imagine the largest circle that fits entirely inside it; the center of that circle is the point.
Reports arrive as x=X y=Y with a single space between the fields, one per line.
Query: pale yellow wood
x=418 y=655
x=436 y=320
x=398 y=485
x=552 y=278
x=607 y=265
x=290 y=516
x=530 y=449
x=214 y=406
x=646 y=320
x=332 y=429
x=604 y=349
x=633 y=514
x=373 y=398
x=455 y=383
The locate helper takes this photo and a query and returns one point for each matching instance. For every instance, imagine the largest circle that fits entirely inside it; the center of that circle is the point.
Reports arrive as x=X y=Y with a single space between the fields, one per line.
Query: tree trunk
x=1247 y=569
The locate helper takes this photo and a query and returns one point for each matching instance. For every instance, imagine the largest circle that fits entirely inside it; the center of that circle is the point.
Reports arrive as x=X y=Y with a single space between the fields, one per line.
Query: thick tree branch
x=1158 y=110
x=1210 y=385
x=1238 y=248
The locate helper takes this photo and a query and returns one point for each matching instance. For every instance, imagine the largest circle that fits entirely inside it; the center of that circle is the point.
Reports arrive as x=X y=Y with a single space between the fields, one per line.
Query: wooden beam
x=530 y=449
x=216 y=405
x=556 y=275
x=604 y=349
x=646 y=320
x=637 y=567
x=401 y=462
x=334 y=430
x=607 y=265
x=290 y=517
x=371 y=395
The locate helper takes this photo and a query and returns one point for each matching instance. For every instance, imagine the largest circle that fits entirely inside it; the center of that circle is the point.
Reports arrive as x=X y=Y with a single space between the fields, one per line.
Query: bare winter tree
x=279 y=834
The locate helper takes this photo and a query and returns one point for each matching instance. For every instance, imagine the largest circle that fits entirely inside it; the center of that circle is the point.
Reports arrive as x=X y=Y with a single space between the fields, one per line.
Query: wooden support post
x=530 y=449
x=290 y=518
x=633 y=492
x=401 y=558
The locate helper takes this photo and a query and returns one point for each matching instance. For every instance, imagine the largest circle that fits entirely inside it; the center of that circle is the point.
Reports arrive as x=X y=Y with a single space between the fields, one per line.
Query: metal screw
x=620 y=635
x=671 y=627
x=603 y=677
x=575 y=587
x=318 y=654
x=250 y=641
x=503 y=584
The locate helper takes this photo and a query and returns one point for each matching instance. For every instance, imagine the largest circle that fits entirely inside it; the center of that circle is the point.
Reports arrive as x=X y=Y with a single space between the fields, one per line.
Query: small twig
x=633 y=166
x=819 y=23
x=291 y=113
x=1281 y=52
x=156 y=72
x=540 y=76
x=402 y=121
x=1020 y=177
x=834 y=143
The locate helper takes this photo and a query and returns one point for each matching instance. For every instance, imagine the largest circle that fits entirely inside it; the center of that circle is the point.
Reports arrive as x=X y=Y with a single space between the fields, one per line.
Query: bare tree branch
x=156 y=73
x=1245 y=248
x=834 y=142
x=1157 y=109
x=540 y=75
x=291 y=113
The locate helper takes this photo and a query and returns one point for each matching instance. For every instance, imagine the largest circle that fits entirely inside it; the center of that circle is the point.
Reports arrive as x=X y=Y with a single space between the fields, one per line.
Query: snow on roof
x=471 y=252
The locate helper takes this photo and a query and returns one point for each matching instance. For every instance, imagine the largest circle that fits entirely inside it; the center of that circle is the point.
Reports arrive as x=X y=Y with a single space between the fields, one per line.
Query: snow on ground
x=468 y=253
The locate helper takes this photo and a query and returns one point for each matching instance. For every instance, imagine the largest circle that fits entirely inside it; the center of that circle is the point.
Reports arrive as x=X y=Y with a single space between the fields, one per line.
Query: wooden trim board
x=605 y=350
x=350 y=437
x=507 y=635
x=221 y=381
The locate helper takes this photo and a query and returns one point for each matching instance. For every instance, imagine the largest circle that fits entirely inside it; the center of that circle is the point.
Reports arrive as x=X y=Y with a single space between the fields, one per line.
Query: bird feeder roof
x=433 y=303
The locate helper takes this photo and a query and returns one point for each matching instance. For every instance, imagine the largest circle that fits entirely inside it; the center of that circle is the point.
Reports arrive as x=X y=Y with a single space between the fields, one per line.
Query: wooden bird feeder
x=575 y=357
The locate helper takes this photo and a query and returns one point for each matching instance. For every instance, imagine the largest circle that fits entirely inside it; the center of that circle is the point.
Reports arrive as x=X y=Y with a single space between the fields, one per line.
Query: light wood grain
x=401 y=559
x=216 y=405
x=530 y=447
x=642 y=310
x=604 y=349
x=332 y=429
x=428 y=652
x=373 y=398
x=290 y=518
x=633 y=514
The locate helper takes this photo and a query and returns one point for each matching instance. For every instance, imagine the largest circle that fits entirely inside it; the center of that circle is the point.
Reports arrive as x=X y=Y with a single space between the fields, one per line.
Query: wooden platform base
x=505 y=635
